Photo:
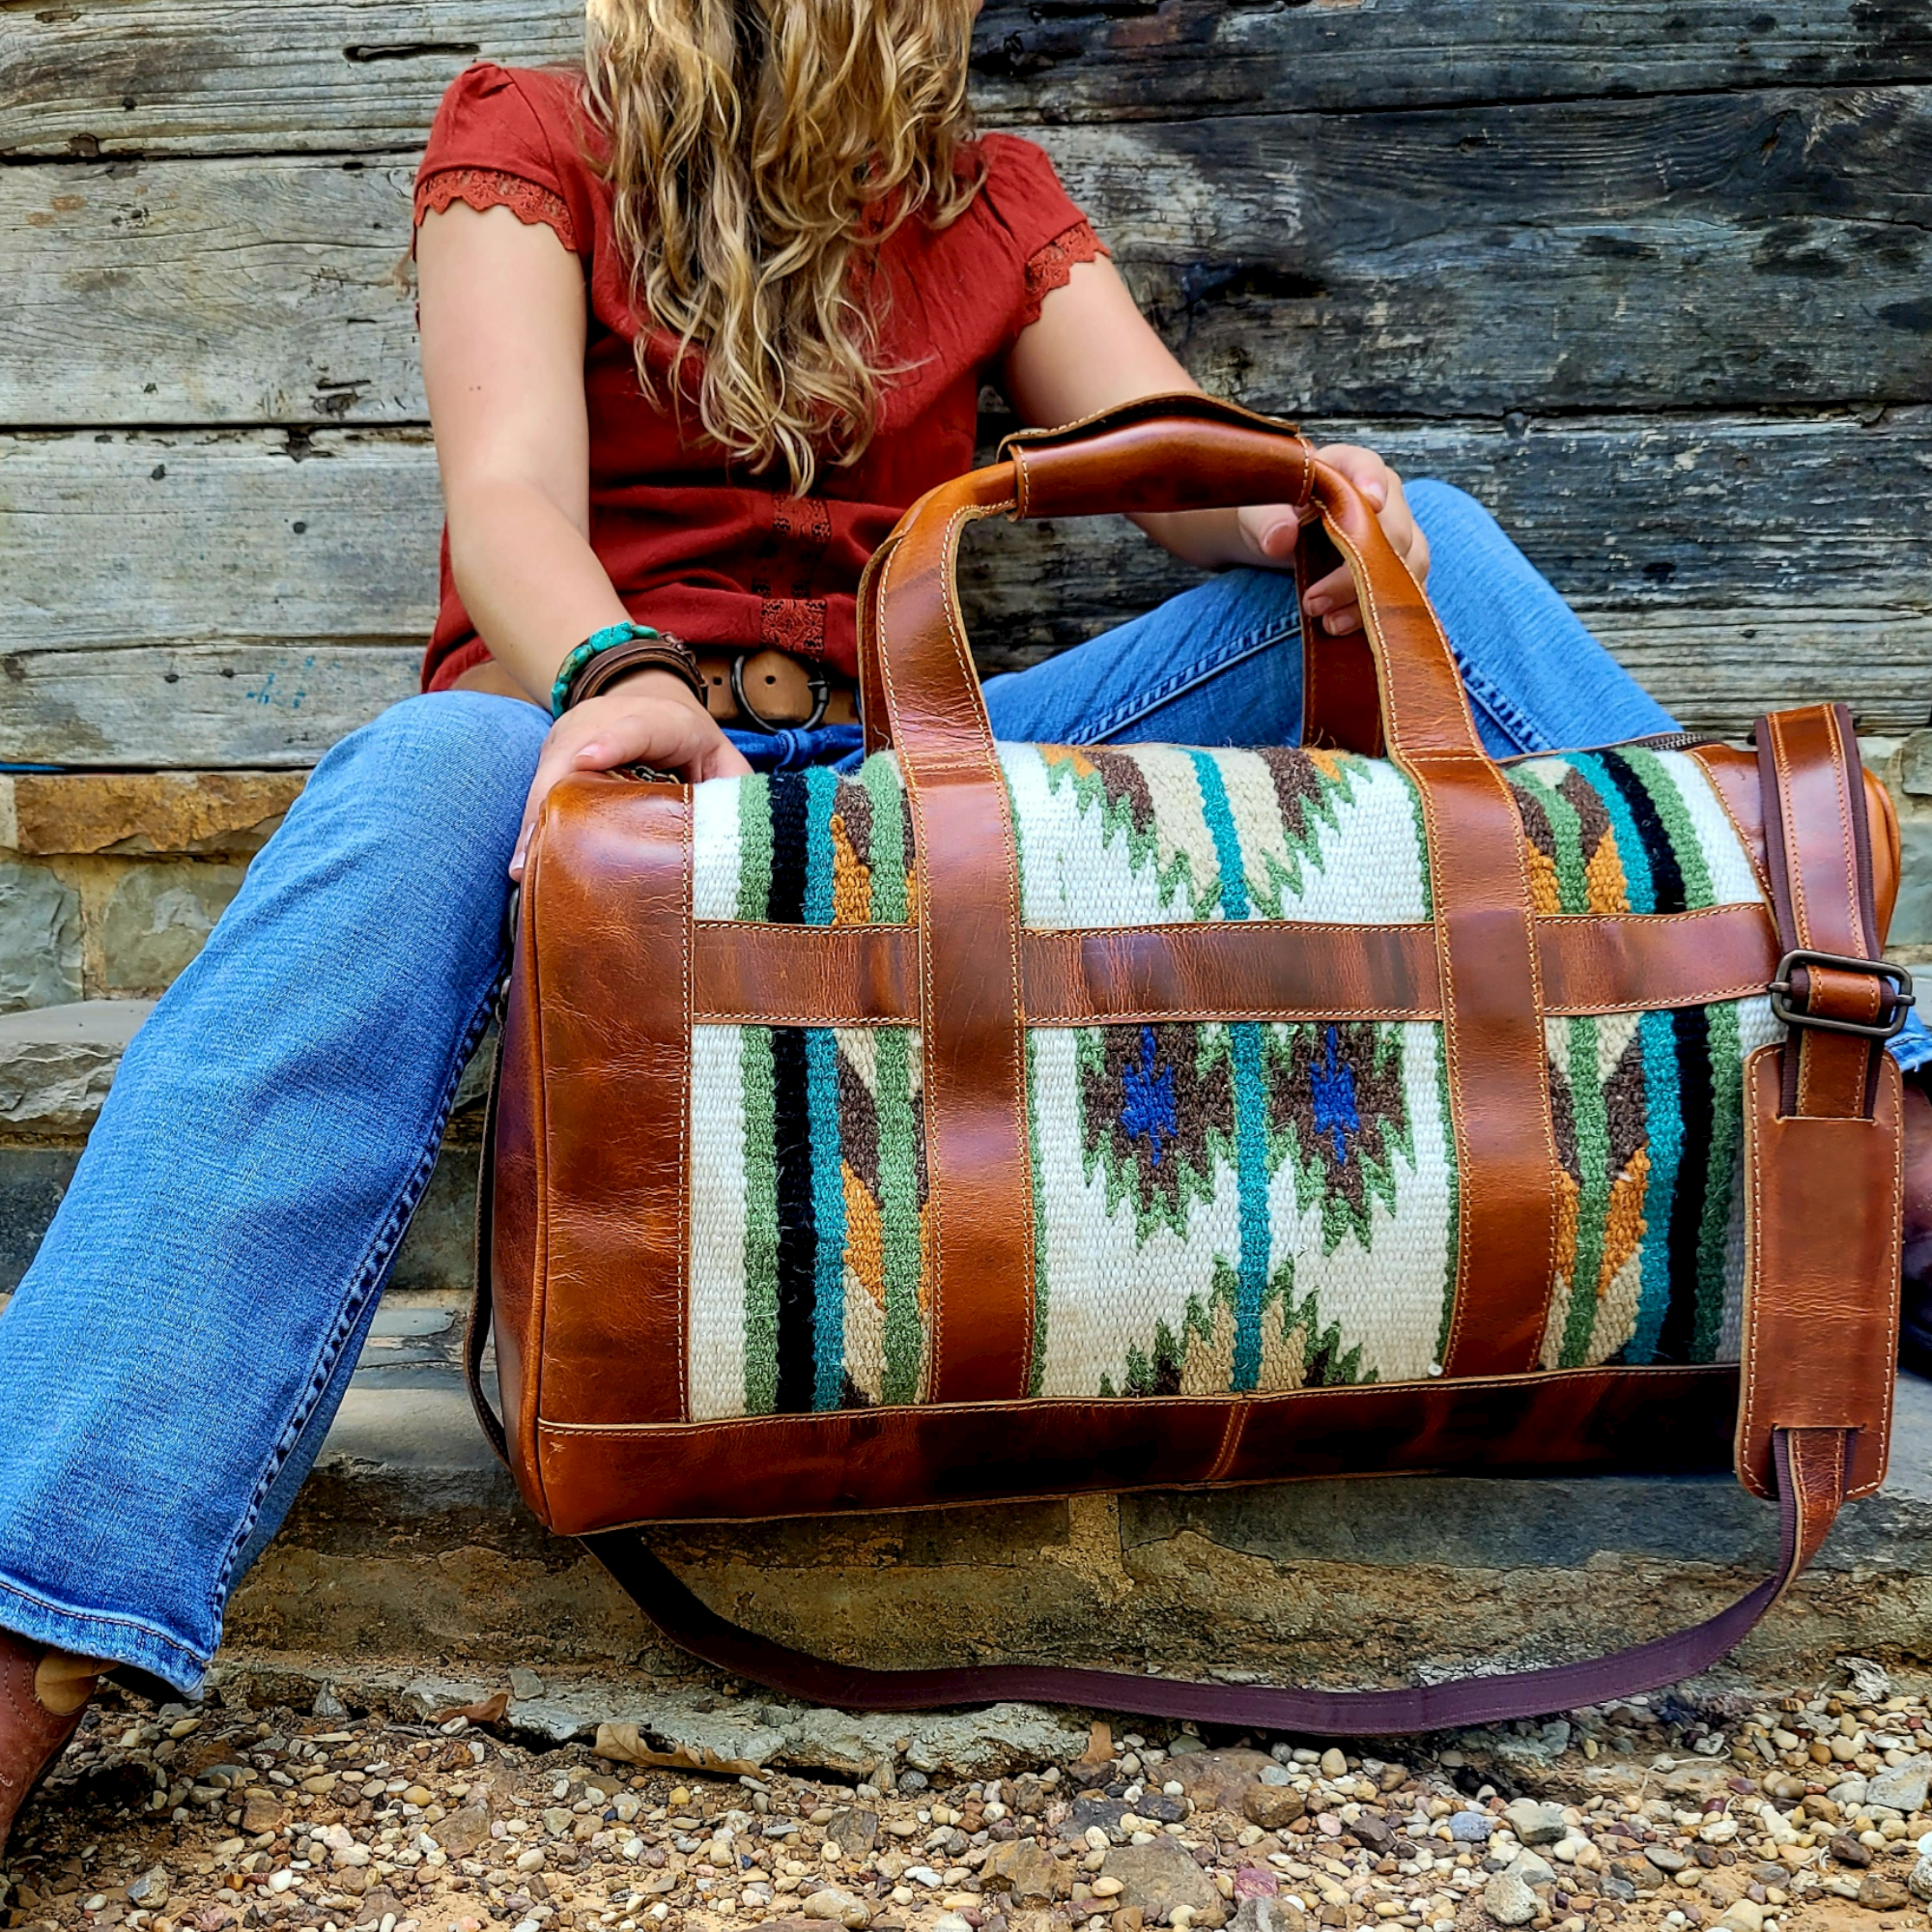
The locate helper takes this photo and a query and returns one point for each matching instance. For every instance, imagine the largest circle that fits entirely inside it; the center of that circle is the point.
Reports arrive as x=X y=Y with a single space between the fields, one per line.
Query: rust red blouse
x=719 y=557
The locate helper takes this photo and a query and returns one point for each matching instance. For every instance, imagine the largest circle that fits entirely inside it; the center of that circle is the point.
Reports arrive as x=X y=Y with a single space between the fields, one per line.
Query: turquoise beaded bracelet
x=594 y=646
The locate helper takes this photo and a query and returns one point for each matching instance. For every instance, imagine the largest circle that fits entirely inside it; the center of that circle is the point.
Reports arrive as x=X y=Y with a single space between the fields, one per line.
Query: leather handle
x=1160 y=453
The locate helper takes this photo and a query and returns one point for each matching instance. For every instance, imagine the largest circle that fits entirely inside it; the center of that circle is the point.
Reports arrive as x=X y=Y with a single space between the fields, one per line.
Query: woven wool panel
x=1219 y=1207
x=1144 y=835
x=1247 y=1206
x=807 y=1219
x=1648 y=1108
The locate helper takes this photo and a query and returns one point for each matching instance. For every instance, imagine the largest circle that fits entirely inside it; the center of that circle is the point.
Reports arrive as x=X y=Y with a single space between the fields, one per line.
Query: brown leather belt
x=770 y=690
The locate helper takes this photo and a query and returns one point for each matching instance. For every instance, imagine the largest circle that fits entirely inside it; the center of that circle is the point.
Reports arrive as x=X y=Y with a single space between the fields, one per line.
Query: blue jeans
x=172 y=1360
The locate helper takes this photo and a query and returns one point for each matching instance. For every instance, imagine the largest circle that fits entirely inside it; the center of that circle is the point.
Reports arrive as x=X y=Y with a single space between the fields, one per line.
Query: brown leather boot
x=44 y=1695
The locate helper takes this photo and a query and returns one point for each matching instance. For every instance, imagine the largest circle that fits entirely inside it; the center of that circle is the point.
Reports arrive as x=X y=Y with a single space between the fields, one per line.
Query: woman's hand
x=650 y=717
x=1270 y=531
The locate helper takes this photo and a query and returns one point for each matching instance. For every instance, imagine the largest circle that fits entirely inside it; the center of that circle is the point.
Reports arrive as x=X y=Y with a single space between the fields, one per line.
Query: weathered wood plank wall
x=1652 y=282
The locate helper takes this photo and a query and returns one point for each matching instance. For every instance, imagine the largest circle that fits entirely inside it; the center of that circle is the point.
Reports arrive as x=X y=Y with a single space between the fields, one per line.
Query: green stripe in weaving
x=1714 y=1229
x=754 y=846
x=1036 y=1368
x=1655 y=776
x=1566 y=830
x=888 y=858
x=899 y=1212
x=761 y=1221
x=1591 y=1125
x=1446 y=1116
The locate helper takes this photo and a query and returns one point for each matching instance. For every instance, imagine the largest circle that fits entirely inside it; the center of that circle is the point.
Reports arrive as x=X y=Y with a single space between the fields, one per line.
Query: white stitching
x=1529 y=1378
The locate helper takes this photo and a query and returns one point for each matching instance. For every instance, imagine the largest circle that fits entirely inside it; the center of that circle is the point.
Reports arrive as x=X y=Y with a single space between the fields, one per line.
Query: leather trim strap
x=1809 y=1473
x=1823 y=1141
x=979 y=1162
x=1490 y=976
x=833 y=1462
x=751 y=975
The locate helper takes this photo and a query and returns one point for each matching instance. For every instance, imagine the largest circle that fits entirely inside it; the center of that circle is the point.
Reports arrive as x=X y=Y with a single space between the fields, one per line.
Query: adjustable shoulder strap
x=1822 y=1145
x=1809 y=1469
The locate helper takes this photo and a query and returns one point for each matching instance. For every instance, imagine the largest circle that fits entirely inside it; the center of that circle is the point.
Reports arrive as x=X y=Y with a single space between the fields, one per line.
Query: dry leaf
x=622 y=1743
x=491 y=1710
x=1099 y=1745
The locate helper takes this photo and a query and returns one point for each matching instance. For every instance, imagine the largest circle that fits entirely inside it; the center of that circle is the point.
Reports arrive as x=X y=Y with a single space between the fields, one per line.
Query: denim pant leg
x=171 y=1361
x=1221 y=662
x=1538 y=681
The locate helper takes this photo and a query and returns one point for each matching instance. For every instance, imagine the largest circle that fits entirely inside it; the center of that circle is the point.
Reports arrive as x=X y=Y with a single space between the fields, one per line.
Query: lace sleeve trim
x=1053 y=265
x=530 y=201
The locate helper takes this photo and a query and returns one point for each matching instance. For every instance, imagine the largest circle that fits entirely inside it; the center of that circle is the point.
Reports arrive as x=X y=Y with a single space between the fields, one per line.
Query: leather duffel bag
x=1008 y=1121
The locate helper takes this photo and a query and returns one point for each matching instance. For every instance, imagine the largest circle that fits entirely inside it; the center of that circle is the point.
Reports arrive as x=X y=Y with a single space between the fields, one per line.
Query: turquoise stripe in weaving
x=1638 y=881
x=828 y=1213
x=1251 y=1151
x=821 y=787
x=1251 y=1156
x=1664 y=1118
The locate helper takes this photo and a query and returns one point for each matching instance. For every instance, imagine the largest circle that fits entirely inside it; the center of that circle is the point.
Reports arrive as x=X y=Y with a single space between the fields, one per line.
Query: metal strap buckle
x=1896 y=977
x=816 y=683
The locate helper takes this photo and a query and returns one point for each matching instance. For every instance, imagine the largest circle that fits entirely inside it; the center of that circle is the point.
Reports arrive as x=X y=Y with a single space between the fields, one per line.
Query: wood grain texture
x=1157 y=58
x=258 y=291
x=207 y=707
x=194 y=76
x=355 y=76
x=263 y=593
x=1725 y=252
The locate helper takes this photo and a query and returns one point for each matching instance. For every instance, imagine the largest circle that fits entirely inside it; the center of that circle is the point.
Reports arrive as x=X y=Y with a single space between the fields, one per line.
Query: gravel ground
x=1743 y=1812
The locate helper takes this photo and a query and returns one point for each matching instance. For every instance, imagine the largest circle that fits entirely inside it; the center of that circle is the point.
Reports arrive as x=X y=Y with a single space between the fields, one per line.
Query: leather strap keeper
x=1822 y=1202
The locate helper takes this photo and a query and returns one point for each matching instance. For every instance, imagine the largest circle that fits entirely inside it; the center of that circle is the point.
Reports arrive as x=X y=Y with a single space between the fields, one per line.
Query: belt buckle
x=1899 y=979
x=815 y=681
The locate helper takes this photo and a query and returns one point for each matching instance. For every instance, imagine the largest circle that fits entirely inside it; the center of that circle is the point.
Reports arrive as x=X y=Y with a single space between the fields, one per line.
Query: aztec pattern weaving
x=807 y=1219
x=1141 y=834
x=1219 y=1207
x=1648 y=1107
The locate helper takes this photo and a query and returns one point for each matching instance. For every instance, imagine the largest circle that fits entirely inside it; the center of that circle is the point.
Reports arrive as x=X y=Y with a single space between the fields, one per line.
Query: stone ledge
x=410 y=1538
x=57 y=1062
x=211 y=814
x=56 y=1066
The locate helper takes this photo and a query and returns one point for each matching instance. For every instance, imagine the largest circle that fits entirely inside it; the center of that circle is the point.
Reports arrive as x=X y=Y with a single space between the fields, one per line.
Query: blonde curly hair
x=760 y=152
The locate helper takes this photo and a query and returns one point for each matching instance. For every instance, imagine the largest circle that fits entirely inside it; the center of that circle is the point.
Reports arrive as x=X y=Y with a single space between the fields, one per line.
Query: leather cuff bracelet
x=614 y=652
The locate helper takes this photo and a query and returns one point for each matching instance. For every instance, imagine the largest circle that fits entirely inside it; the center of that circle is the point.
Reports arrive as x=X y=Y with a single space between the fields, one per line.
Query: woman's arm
x=1092 y=349
x=502 y=348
